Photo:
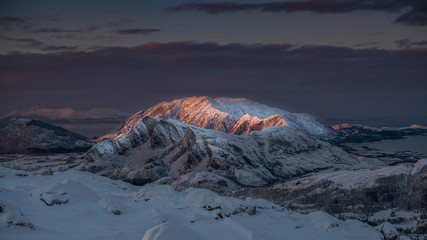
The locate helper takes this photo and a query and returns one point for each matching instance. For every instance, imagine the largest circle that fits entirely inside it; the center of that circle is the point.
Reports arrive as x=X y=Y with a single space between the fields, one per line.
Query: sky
x=332 y=58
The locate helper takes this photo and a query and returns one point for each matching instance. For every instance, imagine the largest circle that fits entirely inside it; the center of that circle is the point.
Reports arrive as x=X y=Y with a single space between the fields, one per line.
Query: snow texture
x=168 y=231
x=147 y=149
x=418 y=166
x=152 y=212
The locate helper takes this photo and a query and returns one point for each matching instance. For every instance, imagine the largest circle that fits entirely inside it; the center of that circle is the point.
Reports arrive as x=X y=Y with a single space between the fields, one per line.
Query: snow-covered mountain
x=195 y=142
x=234 y=147
x=81 y=205
x=71 y=115
x=23 y=135
x=235 y=115
x=392 y=193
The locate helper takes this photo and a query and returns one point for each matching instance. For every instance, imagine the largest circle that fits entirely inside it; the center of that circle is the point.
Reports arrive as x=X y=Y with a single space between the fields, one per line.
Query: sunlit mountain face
x=233 y=116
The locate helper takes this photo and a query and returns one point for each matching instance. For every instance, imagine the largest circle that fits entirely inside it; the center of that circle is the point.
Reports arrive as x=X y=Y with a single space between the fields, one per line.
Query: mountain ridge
x=70 y=114
x=192 y=136
x=24 y=135
x=222 y=114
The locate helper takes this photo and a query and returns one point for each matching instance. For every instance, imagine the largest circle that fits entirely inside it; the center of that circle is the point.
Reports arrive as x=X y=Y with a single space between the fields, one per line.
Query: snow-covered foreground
x=81 y=205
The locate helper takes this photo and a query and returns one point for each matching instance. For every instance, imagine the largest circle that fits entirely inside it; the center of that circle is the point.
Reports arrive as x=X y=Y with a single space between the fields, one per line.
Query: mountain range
x=63 y=115
x=240 y=148
x=24 y=135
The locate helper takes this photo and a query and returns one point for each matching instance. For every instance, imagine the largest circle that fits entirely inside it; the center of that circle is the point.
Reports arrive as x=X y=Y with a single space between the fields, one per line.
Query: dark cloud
x=6 y=20
x=318 y=79
x=25 y=40
x=408 y=43
x=36 y=44
x=126 y=20
x=47 y=47
x=67 y=36
x=417 y=14
x=53 y=18
x=210 y=56
x=63 y=30
x=403 y=43
x=319 y=6
x=136 y=31
x=420 y=43
x=366 y=44
x=7 y=23
x=214 y=8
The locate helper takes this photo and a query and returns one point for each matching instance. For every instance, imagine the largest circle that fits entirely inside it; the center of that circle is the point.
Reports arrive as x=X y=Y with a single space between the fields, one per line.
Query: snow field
x=102 y=208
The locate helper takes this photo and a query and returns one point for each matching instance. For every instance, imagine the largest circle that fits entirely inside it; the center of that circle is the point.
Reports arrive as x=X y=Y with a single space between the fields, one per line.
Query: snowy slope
x=148 y=149
x=222 y=143
x=79 y=205
x=361 y=194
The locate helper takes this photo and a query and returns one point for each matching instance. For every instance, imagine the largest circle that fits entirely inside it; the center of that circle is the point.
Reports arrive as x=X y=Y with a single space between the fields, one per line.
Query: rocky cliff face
x=23 y=135
x=191 y=142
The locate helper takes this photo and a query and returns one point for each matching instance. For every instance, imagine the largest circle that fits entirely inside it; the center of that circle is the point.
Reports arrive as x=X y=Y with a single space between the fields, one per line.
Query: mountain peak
x=227 y=99
x=416 y=126
x=235 y=115
x=203 y=112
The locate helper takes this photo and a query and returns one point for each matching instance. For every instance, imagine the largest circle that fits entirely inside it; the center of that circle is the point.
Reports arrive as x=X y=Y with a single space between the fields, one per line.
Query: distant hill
x=71 y=115
x=24 y=135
